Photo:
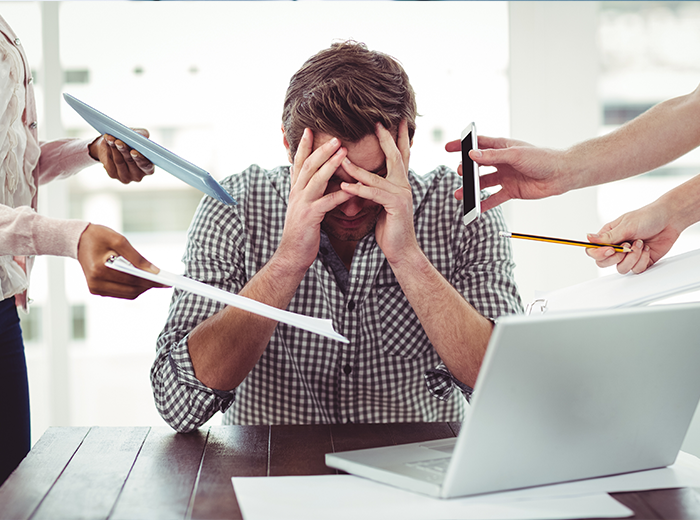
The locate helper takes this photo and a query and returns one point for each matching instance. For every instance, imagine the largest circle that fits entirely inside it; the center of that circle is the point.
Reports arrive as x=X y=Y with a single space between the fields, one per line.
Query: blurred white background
x=208 y=81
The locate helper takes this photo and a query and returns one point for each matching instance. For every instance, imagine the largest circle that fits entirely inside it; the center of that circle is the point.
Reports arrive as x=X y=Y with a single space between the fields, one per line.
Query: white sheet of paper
x=668 y=277
x=316 y=325
x=685 y=472
x=346 y=497
x=321 y=497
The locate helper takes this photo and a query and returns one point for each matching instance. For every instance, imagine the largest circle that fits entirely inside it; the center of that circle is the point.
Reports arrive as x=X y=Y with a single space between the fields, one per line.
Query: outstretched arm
x=658 y=136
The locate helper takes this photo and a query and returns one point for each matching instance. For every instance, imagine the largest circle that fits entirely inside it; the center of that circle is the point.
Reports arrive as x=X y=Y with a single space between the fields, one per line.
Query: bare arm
x=660 y=135
x=458 y=332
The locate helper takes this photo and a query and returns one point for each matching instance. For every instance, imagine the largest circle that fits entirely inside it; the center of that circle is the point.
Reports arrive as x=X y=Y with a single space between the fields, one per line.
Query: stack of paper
x=668 y=277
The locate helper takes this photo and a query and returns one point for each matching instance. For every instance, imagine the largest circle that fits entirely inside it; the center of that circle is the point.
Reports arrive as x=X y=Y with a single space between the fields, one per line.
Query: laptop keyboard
x=434 y=466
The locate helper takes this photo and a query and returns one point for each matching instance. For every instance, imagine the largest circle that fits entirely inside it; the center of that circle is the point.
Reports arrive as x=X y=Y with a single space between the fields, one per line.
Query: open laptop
x=559 y=398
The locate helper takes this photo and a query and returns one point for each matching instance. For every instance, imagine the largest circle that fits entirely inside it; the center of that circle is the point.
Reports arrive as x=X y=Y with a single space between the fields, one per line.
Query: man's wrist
x=284 y=265
x=680 y=205
x=412 y=259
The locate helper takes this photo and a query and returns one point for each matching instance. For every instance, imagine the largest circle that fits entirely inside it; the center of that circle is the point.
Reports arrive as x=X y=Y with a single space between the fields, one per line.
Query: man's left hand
x=121 y=162
x=394 y=231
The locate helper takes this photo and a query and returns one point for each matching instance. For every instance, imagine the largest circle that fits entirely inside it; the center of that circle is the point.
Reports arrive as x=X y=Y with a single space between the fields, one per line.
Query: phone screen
x=470 y=176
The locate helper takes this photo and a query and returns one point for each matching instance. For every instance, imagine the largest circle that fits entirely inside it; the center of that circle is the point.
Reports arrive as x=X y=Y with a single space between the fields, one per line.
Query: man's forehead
x=366 y=153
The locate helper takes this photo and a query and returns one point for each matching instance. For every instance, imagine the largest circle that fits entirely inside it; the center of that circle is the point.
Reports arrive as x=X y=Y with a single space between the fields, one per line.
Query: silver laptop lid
x=572 y=396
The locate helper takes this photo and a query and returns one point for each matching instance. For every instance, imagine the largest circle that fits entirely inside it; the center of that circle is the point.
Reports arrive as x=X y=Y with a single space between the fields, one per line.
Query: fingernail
x=477 y=154
x=593 y=235
x=334 y=141
x=647 y=249
x=638 y=244
x=609 y=252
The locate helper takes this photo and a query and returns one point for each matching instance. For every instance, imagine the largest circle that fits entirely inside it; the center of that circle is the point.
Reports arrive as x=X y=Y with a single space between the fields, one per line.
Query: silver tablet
x=161 y=157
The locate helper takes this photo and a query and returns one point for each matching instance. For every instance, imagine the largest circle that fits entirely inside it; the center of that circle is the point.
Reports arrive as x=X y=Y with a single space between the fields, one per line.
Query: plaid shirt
x=389 y=372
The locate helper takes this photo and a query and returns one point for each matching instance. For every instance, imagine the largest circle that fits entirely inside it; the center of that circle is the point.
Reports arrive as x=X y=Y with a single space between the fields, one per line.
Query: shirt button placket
x=346 y=367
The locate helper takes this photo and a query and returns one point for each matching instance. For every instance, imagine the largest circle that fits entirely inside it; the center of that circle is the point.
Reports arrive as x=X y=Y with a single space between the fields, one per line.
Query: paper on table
x=316 y=325
x=348 y=497
x=685 y=472
x=670 y=276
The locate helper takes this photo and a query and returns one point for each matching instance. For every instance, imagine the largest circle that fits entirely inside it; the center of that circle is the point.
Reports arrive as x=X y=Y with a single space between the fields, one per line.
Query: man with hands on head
x=346 y=233
x=660 y=135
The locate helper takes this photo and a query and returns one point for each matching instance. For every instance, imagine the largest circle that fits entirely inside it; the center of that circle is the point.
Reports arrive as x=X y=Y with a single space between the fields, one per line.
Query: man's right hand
x=308 y=200
x=523 y=171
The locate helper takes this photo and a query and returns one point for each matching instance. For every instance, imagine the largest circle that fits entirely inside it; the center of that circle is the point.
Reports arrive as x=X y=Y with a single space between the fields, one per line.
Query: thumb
x=609 y=234
x=142 y=131
x=126 y=250
x=492 y=156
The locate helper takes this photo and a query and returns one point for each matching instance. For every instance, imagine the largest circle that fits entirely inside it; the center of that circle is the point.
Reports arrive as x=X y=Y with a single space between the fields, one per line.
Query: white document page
x=316 y=325
x=668 y=277
x=345 y=497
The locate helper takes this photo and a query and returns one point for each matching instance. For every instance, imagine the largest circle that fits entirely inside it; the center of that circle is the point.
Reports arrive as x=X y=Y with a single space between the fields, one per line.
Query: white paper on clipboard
x=158 y=155
x=315 y=325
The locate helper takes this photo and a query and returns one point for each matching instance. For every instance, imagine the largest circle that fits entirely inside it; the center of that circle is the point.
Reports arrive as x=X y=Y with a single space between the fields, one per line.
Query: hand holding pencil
x=539 y=238
x=644 y=235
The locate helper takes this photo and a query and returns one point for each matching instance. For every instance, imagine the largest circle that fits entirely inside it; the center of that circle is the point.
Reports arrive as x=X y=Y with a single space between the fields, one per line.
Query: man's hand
x=120 y=161
x=522 y=170
x=394 y=230
x=308 y=203
x=649 y=227
x=97 y=244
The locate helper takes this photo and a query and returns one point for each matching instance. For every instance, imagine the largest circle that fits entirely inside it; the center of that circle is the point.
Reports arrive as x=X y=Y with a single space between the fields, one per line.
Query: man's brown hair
x=343 y=91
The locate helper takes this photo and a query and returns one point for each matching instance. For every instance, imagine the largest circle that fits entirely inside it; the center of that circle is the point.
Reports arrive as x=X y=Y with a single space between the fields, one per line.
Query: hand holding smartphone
x=470 y=176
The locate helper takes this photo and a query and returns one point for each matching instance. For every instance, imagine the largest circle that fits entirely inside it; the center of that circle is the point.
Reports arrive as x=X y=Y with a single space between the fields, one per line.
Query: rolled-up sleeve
x=212 y=256
x=183 y=401
x=441 y=383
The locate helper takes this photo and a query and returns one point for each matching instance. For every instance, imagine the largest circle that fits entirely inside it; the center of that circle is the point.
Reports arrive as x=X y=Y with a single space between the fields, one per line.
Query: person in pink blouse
x=26 y=163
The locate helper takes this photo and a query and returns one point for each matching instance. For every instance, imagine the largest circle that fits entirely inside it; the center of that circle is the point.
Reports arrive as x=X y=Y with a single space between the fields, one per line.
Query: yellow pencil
x=506 y=234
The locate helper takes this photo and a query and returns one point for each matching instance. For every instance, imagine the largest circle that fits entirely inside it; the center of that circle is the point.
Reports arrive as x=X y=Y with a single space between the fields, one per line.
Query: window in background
x=78 y=322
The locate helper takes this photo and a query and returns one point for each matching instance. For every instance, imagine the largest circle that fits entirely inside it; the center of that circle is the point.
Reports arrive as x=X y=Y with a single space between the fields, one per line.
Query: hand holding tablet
x=158 y=155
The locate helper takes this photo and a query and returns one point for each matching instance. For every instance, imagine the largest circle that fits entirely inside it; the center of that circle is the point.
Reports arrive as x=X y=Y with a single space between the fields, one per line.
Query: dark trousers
x=14 y=391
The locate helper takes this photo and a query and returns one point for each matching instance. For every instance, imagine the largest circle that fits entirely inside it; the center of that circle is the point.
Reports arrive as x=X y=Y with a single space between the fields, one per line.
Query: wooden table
x=151 y=473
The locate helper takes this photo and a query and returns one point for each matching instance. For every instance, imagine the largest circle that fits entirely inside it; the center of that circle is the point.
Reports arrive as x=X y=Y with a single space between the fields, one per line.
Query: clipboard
x=315 y=325
x=158 y=155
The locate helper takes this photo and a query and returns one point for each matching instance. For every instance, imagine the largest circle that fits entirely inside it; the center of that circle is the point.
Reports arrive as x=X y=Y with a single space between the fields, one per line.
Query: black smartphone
x=470 y=176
